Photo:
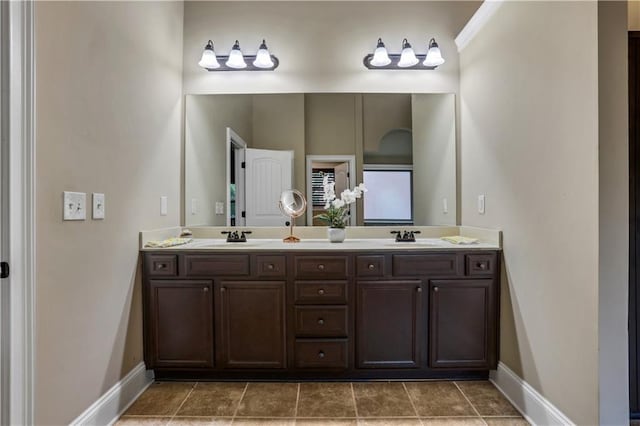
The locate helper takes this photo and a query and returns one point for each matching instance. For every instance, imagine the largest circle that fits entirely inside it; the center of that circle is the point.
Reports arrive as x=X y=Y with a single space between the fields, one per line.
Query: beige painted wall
x=530 y=143
x=108 y=119
x=205 y=151
x=381 y=113
x=434 y=158
x=633 y=21
x=321 y=44
x=614 y=211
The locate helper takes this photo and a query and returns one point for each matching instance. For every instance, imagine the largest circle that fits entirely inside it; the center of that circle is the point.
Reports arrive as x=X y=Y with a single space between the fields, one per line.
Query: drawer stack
x=321 y=313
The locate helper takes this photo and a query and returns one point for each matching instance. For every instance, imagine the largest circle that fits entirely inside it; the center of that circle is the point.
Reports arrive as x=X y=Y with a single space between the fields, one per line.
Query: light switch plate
x=98 y=206
x=481 y=204
x=219 y=207
x=163 y=205
x=74 y=205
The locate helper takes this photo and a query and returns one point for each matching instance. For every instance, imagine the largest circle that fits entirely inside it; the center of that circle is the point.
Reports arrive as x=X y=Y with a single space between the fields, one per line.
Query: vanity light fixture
x=236 y=61
x=406 y=60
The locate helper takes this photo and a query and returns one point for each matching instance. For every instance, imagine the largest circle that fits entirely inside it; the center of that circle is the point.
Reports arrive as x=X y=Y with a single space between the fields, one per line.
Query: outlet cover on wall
x=194 y=206
x=219 y=207
x=481 y=204
x=98 y=206
x=163 y=205
x=445 y=206
x=74 y=205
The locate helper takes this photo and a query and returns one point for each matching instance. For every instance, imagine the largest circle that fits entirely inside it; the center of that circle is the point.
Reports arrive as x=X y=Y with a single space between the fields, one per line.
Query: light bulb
x=236 y=60
x=407 y=57
x=434 y=56
x=380 y=56
x=263 y=57
x=209 y=60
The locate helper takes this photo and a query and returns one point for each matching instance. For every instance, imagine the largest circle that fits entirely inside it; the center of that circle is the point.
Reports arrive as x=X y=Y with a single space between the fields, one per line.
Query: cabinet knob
x=161 y=265
x=223 y=289
x=320 y=321
x=482 y=265
x=205 y=289
x=321 y=292
x=436 y=289
x=371 y=266
x=270 y=266
x=321 y=354
x=321 y=267
x=419 y=289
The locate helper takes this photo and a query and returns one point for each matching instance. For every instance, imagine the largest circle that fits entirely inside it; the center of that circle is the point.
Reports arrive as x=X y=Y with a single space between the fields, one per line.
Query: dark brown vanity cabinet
x=179 y=324
x=250 y=318
x=381 y=314
x=389 y=324
x=462 y=332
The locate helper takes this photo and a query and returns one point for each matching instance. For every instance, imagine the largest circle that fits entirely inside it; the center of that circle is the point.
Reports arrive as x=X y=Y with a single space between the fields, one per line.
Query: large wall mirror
x=241 y=151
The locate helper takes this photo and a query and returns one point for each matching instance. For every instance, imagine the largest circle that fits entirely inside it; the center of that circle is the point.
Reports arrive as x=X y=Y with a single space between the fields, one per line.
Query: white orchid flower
x=337 y=203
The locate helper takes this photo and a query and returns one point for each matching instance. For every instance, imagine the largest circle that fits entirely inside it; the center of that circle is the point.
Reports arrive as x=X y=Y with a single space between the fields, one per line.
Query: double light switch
x=75 y=206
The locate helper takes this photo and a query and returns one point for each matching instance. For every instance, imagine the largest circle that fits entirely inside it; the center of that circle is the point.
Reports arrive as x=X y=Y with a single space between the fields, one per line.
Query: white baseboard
x=533 y=406
x=110 y=406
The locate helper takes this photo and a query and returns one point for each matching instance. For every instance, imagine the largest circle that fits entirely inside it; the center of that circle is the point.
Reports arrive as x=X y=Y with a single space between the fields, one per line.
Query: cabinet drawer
x=321 y=267
x=411 y=265
x=321 y=353
x=209 y=265
x=370 y=266
x=162 y=265
x=270 y=266
x=481 y=264
x=325 y=321
x=320 y=292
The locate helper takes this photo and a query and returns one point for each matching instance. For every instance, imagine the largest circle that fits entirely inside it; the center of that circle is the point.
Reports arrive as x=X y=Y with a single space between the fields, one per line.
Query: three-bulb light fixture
x=237 y=61
x=407 y=59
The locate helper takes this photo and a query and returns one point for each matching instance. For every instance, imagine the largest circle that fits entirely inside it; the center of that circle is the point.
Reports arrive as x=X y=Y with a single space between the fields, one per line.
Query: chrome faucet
x=405 y=236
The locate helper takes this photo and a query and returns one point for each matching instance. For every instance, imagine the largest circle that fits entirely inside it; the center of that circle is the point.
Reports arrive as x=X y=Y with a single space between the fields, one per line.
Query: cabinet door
x=180 y=315
x=251 y=324
x=388 y=324
x=462 y=324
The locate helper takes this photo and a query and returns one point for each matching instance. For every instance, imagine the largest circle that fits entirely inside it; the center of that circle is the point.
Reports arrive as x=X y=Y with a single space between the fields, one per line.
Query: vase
x=336 y=235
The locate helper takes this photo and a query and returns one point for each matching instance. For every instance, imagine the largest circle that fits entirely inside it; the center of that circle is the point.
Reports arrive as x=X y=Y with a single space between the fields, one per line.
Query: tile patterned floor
x=319 y=404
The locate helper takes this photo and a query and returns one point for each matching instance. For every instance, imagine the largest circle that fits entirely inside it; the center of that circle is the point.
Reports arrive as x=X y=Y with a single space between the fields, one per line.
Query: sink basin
x=435 y=243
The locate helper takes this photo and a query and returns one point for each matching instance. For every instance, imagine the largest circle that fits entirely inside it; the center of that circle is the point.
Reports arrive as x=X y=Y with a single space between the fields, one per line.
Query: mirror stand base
x=291 y=239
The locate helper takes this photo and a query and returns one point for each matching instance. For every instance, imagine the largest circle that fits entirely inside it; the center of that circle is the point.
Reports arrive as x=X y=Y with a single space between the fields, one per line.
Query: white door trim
x=238 y=142
x=21 y=211
x=351 y=159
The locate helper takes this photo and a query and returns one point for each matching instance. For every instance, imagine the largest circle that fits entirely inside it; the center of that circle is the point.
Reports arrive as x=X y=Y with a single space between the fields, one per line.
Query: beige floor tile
x=506 y=421
x=200 y=421
x=142 y=421
x=389 y=422
x=263 y=422
x=161 y=399
x=382 y=399
x=438 y=399
x=453 y=421
x=326 y=400
x=269 y=400
x=213 y=399
x=487 y=399
x=326 y=422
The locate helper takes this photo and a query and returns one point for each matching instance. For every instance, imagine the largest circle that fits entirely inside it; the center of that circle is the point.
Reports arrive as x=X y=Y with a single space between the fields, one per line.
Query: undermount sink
x=416 y=244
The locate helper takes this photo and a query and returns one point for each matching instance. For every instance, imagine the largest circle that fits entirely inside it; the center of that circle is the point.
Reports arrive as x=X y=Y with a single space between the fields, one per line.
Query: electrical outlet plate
x=74 y=205
x=481 y=204
x=163 y=205
x=98 y=206
x=219 y=207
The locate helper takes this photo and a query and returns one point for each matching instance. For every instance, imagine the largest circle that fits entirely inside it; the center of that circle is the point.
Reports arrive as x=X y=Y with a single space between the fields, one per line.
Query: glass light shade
x=434 y=56
x=263 y=57
x=236 y=59
x=209 y=60
x=408 y=56
x=380 y=56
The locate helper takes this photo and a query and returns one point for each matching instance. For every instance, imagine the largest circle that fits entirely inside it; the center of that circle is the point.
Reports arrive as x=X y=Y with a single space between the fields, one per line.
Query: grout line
x=244 y=391
x=183 y=401
x=355 y=404
x=470 y=403
x=415 y=410
x=295 y=413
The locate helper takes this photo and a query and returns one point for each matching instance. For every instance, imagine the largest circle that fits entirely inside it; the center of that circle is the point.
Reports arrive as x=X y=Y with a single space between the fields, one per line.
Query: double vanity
x=368 y=308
